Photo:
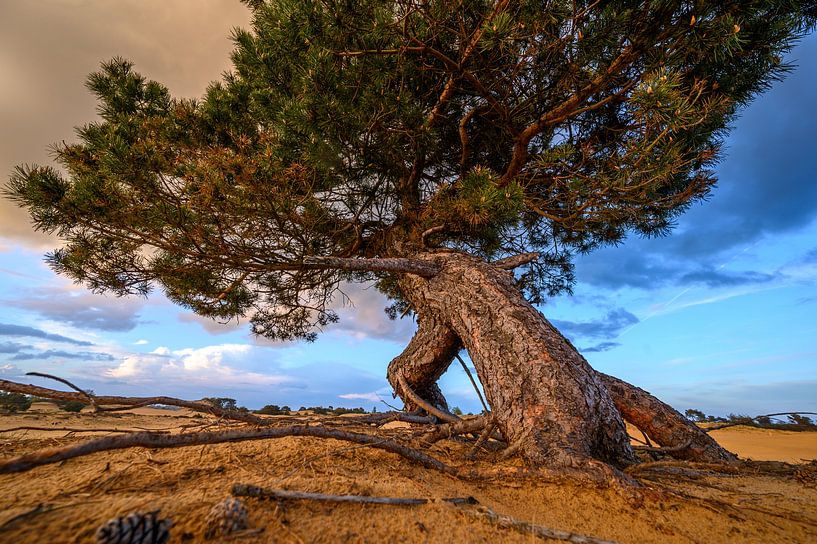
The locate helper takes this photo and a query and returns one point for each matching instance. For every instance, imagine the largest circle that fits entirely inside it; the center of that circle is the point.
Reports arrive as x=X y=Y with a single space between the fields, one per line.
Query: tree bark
x=430 y=352
x=424 y=360
x=546 y=399
x=664 y=424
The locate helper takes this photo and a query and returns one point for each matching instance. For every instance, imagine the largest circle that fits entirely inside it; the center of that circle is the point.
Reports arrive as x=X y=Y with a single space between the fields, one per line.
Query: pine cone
x=228 y=516
x=135 y=528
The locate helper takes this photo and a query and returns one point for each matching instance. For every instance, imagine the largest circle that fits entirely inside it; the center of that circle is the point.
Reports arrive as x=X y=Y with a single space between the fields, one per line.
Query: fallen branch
x=463 y=426
x=244 y=490
x=507 y=522
x=157 y=440
x=66 y=429
x=427 y=406
x=463 y=504
x=132 y=402
x=87 y=395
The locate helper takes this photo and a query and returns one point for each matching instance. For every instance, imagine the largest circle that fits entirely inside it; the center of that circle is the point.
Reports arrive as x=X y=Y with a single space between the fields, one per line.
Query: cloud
x=766 y=187
x=218 y=365
x=12 y=347
x=603 y=346
x=213 y=326
x=372 y=397
x=363 y=316
x=47 y=50
x=31 y=332
x=605 y=328
x=714 y=278
x=9 y=370
x=62 y=354
x=141 y=342
x=82 y=309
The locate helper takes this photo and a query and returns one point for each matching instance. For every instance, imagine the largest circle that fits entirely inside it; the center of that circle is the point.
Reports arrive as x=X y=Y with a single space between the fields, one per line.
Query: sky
x=720 y=316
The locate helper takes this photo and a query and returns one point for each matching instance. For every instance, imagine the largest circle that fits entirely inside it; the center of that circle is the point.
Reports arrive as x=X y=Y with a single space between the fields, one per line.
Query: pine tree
x=414 y=144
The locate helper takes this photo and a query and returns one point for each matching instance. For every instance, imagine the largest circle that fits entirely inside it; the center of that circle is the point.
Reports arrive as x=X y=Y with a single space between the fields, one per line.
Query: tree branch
x=509 y=263
x=419 y=401
x=397 y=265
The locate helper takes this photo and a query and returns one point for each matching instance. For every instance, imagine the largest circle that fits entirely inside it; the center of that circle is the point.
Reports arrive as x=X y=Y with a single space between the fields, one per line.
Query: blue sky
x=719 y=316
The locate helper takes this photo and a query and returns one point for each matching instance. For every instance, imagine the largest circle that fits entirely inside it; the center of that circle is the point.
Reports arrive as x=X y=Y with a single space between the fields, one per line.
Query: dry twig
x=507 y=522
x=244 y=490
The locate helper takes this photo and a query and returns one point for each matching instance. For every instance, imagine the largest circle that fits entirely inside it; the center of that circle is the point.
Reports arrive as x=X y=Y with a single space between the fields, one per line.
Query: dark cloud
x=766 y=187
x=62 y=354
x=605 y=328
x=31 y=332
x=48 y=48
x=11 y=347
x=604 y=346
x=83 y=310
x=715 y=278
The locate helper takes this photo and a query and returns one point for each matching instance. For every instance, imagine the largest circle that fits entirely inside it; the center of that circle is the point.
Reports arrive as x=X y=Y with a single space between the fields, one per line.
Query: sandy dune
x=677 y=504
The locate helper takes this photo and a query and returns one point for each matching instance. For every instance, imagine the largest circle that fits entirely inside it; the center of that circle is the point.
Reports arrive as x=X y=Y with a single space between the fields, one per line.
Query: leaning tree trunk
x=424 y=360
x=512 y=349
x=546 y=399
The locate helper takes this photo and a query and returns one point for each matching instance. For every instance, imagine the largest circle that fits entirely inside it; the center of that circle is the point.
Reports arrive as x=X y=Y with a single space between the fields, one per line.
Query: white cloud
x=140 y=342
x=373 y=396
x=216 y=366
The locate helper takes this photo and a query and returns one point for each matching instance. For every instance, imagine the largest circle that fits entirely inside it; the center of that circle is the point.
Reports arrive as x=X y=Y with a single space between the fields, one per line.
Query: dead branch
x=197 y=406
x=419 y=401
x=669 y=449
x=463 y=426
x=484 y=513
x=158 y=440
x=473 y=382
x=509 y=263
x=67 y=429
x=87 y=395
x=754 y=420
x=486 y=434
x=244 y=490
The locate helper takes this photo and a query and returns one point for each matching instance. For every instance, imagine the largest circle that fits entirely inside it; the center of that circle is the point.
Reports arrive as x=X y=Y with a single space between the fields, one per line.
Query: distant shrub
x=223 y=403
x=273 y=410
x=71 y=406
x=14 y=402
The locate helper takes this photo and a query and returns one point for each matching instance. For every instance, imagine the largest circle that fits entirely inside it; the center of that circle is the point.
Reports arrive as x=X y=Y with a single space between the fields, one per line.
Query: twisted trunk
x=549 y=403
x=546 y=399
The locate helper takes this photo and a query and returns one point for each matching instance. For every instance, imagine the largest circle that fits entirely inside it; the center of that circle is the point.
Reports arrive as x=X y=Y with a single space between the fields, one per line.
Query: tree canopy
x=377 y=128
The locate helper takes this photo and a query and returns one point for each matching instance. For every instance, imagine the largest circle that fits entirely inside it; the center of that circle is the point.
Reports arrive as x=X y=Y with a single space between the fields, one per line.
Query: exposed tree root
x=465 y=505
x=156 y=440
x=507 y=522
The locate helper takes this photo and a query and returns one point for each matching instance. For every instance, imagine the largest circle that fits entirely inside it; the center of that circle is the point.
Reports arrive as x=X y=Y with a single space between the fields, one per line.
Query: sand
x=677 y=505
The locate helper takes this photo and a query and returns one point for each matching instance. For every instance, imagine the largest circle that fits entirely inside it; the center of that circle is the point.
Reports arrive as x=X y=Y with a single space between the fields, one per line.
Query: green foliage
x=695 y=415
x=456 y=411
x=273 y=410
x=14 y=402
x=348 y=131
x=71 y=406
x=222 y=403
